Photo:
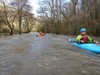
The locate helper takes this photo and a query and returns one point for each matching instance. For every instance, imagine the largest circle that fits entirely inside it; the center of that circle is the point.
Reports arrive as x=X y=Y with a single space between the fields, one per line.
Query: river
x=48 y=55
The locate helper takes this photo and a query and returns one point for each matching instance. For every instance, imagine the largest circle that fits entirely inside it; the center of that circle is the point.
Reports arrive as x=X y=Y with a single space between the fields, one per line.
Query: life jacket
x=40 y=34
x=85 y=38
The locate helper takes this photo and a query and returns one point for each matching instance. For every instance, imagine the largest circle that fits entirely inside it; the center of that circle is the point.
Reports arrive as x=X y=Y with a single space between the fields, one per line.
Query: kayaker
x=83 y=37
x=40 y=34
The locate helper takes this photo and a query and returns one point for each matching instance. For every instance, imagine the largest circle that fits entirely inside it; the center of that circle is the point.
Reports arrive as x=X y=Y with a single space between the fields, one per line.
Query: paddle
x=96 y=42
x=72 y=40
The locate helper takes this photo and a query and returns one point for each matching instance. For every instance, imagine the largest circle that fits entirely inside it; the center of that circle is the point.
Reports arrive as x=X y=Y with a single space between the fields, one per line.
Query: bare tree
x=20 y=5
x=69 y=16
x=9 y=19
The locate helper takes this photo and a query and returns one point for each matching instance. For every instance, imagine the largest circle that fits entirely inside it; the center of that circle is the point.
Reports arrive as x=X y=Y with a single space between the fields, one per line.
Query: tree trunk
x=6 y=18
x=20 y=20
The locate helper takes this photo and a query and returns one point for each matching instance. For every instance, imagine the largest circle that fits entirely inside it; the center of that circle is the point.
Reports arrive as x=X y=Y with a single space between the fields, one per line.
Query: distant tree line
x=16 y=16
x=67 y=17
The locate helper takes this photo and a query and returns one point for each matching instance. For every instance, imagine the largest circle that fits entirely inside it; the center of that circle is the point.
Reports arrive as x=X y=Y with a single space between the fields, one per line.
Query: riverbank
x=4 y=34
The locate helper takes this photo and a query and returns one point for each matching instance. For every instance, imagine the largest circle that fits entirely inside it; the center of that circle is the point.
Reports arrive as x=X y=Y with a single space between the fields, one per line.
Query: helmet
x=82 y=30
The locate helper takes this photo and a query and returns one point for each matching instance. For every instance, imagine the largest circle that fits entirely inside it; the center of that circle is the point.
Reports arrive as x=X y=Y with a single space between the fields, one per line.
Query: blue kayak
x=87 y=46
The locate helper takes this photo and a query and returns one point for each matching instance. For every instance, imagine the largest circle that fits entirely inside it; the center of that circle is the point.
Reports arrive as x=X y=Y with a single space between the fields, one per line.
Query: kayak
x=87 y=46
x=40 y=34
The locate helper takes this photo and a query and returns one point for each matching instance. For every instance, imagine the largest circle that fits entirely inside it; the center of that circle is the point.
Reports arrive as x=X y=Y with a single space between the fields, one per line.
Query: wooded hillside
x=68 y=16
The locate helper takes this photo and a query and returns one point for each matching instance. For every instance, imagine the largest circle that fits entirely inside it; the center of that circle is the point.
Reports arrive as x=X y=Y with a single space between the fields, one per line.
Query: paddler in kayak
x=83 y=37
x=40 y=34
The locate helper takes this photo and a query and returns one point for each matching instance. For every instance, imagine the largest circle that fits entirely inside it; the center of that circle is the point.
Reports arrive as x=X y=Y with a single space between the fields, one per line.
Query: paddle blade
x=72 y=40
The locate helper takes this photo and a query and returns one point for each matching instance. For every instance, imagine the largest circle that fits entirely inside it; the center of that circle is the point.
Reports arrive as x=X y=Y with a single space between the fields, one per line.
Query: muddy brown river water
x=48 y=55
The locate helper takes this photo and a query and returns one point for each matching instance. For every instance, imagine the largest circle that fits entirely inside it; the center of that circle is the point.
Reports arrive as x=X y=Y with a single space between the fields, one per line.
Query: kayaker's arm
x=79 y=38
x=90 y=39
